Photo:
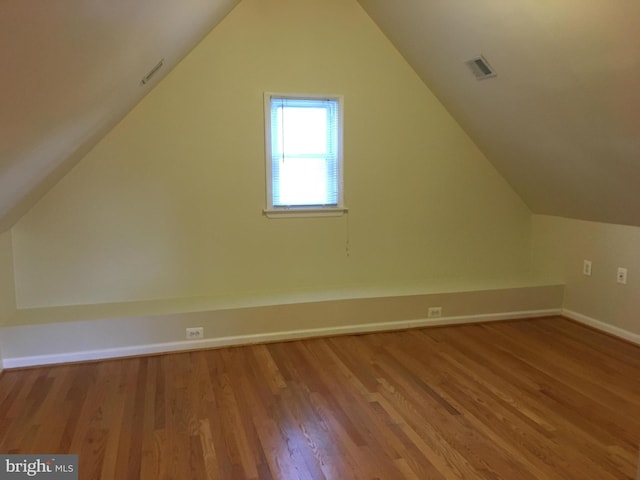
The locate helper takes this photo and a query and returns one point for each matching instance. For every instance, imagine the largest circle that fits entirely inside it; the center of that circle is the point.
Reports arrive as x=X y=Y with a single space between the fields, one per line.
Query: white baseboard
x=157 y=348
x=602 y=326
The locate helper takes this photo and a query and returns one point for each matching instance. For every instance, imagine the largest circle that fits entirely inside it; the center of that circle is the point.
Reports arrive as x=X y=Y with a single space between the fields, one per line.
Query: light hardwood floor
x=523 y=400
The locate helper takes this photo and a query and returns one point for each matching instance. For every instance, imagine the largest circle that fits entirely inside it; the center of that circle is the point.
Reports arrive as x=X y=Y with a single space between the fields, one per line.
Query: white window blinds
x=305 y=152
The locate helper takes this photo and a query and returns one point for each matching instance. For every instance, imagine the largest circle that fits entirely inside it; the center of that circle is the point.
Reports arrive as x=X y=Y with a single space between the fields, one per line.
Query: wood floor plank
x=574 y=432
x=524 y=400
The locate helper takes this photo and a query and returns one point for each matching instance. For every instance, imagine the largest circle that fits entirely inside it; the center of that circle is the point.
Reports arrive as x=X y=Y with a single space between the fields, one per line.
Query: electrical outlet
x=194 y=333
x=434 y=312
x=622 y=275
x=586 y=268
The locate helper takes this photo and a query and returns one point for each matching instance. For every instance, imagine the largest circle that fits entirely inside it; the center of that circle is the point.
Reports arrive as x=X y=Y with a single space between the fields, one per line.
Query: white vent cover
x=480 y=68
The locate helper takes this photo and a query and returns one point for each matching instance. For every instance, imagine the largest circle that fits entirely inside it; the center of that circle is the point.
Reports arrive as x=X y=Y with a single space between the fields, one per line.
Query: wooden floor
x=522 y=400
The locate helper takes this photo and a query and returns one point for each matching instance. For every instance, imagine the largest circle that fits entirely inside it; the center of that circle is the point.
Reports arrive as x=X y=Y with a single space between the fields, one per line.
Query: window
x=304 y=155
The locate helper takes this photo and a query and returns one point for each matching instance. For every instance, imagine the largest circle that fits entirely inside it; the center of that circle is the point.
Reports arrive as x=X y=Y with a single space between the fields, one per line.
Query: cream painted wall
x=560 y=245
x=169 y=204
x=7 y=292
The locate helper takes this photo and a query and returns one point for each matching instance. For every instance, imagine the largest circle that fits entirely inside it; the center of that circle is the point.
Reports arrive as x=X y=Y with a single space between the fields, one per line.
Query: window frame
x=278 y=211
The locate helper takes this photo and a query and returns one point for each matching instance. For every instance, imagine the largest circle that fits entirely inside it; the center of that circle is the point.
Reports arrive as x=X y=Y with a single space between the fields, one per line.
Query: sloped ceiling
x=71 y=69
x=561 y=121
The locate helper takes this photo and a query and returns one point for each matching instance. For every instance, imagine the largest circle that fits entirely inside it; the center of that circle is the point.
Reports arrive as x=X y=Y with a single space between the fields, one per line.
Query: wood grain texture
x=525 y=400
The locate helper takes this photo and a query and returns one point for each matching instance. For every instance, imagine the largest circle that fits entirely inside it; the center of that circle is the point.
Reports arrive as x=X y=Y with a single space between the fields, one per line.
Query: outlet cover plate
x=194 y=333
x=622 y=275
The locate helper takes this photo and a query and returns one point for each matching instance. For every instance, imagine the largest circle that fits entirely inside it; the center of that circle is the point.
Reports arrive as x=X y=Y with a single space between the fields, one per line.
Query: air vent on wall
x=480 y=68
x=152 y=72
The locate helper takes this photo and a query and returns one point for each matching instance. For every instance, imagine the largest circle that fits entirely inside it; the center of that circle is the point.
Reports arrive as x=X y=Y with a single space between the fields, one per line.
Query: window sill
x=304 y=212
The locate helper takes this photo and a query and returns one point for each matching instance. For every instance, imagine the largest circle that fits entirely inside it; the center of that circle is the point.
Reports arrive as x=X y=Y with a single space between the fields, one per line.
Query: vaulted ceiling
x=71 y=69
x=560 y=121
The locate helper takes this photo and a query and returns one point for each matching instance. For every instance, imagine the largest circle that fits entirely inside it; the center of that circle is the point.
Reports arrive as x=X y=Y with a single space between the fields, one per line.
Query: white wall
x=561 y=245
x=56 y=342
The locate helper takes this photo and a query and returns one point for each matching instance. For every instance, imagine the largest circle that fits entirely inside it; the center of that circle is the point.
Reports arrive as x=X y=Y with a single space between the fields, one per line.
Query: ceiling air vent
x=480 y=68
